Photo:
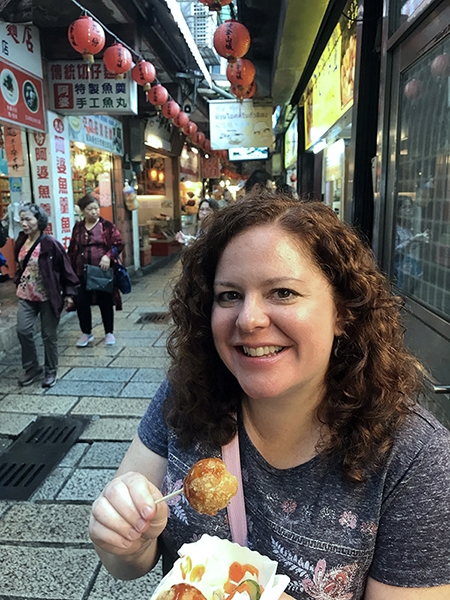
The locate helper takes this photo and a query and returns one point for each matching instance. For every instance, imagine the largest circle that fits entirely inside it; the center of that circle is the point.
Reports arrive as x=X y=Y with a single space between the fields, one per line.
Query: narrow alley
x=45 y=551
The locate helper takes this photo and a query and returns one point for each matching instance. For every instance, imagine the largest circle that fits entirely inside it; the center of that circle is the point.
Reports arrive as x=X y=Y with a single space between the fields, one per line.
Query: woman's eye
x=225 y=297
x=285 y=294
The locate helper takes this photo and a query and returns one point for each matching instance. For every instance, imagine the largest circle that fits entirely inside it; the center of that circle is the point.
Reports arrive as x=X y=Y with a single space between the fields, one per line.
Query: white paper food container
x=217 y=555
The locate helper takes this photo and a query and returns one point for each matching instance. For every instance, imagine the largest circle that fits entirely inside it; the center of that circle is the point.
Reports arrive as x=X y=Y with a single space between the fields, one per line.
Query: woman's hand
x=69 y=303
x=105 y=263
x=180 y=237
x=124 y=519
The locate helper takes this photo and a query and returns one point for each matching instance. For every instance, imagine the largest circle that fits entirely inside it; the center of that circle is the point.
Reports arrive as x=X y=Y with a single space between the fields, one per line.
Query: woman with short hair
x=95 y=241
x=46 y=283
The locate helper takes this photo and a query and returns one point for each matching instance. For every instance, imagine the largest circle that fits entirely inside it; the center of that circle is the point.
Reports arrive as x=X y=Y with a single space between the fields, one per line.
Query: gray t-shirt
x=327 y=534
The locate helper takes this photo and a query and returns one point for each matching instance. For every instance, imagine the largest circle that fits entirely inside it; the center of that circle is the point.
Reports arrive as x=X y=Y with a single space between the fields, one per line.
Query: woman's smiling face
x=274 y=318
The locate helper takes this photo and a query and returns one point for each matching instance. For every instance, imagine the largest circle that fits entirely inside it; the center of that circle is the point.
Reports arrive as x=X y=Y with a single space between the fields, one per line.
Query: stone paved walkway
x=45 y=551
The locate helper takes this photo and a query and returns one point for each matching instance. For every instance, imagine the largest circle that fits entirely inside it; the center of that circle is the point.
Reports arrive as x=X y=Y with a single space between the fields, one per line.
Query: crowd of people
x=286 y=346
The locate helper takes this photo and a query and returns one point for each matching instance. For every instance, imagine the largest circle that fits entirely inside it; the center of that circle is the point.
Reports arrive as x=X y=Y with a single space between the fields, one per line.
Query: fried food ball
x=209 y=487
x=181 y=591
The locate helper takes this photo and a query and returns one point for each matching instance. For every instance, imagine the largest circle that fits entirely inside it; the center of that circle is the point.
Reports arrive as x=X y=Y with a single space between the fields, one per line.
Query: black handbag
x=122 y=277
x=98 y=280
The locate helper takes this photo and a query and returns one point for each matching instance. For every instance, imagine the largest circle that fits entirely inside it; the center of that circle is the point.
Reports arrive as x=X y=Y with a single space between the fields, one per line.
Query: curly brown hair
x=372 y=380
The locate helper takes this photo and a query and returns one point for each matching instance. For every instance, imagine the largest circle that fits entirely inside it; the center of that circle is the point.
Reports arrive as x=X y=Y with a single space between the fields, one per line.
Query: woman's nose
x=252 y=315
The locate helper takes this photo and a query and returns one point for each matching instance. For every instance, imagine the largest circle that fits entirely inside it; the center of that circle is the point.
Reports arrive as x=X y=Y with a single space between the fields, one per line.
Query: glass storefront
x=422 y=205
x=92 y=173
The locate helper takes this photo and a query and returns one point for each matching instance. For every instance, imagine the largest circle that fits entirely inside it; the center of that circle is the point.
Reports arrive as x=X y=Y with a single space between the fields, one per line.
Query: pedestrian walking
x=46 y=283
x=95 y=241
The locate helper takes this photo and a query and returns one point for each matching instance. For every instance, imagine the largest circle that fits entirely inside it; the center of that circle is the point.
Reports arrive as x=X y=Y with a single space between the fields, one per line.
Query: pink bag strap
x=237 y=517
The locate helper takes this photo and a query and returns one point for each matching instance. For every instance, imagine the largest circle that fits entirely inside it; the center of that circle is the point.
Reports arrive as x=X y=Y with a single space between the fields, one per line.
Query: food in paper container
x=215 y=569
x=209 y=486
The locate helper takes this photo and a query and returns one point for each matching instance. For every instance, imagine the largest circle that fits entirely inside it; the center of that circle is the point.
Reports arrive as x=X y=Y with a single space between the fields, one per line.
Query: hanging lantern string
x=85 y=10
x=117 y=39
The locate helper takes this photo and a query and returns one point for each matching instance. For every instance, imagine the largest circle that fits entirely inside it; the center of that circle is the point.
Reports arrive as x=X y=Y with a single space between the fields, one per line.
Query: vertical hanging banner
x=52 y=177
x=211 y=167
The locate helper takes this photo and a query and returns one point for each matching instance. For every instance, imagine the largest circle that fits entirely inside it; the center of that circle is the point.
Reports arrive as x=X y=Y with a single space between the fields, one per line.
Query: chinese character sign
x=239 y=124
x=76 y=89
x=98 y=131
x=52 y=176
x=21 y=97
x=20 y=46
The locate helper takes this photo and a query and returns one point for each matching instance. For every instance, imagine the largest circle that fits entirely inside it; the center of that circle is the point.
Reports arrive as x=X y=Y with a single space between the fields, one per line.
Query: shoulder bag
x=237 y=517
x=96 y=279
x=23 y=264
x=121 y=275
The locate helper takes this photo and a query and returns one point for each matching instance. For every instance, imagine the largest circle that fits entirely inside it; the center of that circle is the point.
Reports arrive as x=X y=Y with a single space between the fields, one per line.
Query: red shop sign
x=21 y=98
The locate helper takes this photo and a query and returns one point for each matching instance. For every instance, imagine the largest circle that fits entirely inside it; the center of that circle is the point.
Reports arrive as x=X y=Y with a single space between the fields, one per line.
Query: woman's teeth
x=261 y=350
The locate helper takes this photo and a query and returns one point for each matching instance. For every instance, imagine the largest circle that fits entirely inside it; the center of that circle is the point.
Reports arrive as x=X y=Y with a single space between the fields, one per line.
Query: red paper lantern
x=143 y=73
x=117 y=59
x=171 y=109
x=158 y=95
x=87 y=37
x=216 y=4
x=207 y=146
x=181 y=119
x=241 y=72
x=244 y=92
x=199 y=138
x=190 y=128
x=440 y=67
x=232 y=40
x=413 y=89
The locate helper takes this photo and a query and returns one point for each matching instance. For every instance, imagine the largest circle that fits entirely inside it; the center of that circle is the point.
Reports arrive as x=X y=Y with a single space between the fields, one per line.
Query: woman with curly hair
x=288 y=344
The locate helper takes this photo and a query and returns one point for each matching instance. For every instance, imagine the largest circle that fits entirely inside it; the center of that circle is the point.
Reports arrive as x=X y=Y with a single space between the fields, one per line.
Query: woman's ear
x=339 y=326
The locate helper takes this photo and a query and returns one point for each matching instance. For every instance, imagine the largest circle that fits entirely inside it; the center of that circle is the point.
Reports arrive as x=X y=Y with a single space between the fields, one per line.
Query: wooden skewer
x=171 y=495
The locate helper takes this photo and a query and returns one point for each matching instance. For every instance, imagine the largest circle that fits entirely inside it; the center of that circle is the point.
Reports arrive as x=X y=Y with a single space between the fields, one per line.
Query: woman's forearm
x=130 y=566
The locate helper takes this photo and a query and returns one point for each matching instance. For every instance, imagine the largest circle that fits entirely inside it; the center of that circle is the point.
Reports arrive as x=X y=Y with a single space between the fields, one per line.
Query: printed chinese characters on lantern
x=171 y=109
x=232 y=40
x=87 y=37
x=241 y=72
x=117 y=59
x=181 y=119
x=143 y=73
x=244 y=92
x=216 y=4
x=190 y=128
x=158 y=95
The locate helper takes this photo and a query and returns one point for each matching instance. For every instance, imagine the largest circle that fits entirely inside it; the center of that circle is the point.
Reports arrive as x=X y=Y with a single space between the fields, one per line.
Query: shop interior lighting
x=153 y=174
x=153 y=141
x=80 y=162
x=80 y=145
x=160 y=176
x=194 y=150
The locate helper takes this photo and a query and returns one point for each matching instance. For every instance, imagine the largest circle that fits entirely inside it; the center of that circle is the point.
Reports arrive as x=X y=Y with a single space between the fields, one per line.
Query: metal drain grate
x=154 y=317
x=28 y=461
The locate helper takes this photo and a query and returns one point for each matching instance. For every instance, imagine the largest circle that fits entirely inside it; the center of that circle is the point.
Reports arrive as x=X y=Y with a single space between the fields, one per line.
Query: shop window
x=152 y=179
x=402 y=10
x=422 y=208
x=92 y=173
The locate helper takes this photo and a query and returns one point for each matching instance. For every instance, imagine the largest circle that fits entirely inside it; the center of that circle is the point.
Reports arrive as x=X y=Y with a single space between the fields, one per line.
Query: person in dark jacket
x=95 y=241
x=46 y=283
